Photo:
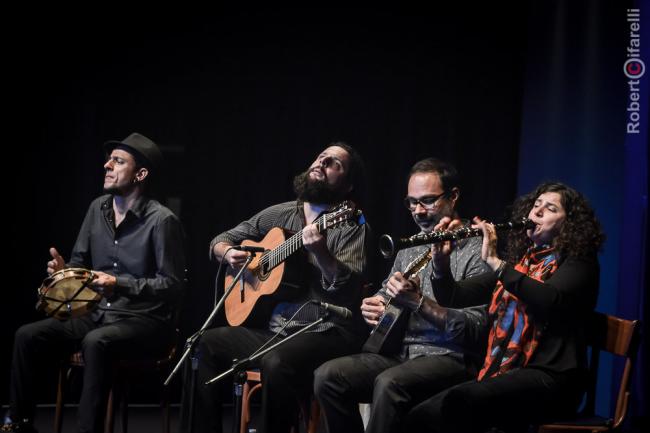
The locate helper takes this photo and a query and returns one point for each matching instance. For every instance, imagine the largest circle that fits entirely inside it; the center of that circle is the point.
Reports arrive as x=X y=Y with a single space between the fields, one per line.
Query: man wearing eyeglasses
x=395 y=382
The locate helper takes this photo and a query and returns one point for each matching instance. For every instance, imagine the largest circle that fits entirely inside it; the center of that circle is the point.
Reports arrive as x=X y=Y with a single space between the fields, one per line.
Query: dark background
x=241 y=101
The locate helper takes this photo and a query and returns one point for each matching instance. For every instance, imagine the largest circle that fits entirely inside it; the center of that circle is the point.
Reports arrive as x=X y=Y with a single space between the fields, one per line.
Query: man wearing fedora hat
x=135 y=249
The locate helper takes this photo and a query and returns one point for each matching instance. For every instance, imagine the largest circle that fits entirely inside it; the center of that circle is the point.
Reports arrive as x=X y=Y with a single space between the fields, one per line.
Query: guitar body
x=386 y=337
x=262 y=290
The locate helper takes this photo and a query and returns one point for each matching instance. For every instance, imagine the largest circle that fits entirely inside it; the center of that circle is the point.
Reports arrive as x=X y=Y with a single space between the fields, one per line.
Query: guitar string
x=287 y=248
x=284 y=250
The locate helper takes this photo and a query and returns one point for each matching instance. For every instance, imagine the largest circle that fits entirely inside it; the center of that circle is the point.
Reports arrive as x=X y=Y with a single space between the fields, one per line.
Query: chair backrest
x=619 y=337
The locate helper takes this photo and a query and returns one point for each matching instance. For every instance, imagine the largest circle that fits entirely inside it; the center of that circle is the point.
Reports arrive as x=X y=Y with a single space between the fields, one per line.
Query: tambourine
x=66 y=294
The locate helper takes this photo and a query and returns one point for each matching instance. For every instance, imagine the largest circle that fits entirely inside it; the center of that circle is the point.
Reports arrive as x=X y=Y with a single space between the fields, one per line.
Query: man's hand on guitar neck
x=315 y=242
x=405 y=292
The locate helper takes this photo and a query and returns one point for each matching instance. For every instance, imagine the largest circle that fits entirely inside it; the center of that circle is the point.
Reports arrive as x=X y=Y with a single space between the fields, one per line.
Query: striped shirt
x=347 y=243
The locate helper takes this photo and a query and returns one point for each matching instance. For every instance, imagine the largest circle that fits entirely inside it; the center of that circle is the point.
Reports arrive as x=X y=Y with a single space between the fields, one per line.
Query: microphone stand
x=239 y=367
x=191 y=342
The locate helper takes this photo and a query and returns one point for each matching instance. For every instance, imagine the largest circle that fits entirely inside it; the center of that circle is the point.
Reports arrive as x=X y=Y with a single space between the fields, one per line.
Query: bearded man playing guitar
x=333 y=262
x=397 y=375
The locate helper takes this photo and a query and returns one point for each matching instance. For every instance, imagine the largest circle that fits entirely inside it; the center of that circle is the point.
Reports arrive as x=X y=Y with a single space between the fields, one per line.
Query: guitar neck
x=417 y=264
x=280 y=253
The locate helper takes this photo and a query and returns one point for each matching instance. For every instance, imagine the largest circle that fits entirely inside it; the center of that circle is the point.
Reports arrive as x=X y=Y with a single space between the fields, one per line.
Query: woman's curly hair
x=580 y=235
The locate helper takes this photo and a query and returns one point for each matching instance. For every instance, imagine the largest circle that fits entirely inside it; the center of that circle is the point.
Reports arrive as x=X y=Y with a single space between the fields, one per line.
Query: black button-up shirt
x=145 y=253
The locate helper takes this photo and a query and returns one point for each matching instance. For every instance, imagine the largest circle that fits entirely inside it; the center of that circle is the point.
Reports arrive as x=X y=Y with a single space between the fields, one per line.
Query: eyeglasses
x=428 y=201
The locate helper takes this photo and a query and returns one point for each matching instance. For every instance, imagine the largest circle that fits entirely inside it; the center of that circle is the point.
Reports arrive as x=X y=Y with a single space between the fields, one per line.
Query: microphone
x=335 y=309
x=249 y=248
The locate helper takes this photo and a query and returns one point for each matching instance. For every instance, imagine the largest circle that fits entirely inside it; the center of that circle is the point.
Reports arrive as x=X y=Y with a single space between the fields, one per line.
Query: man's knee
x=385 y=383
x=215 y=342
x=325 y=375
x=93 y=341
x=29 y=333
x=206 y=342
x=215 y=336
x=24 y=334
x=274 y=366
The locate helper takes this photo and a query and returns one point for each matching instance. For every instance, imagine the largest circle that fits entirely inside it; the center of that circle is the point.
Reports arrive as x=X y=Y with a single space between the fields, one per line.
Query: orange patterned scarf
x=514 y=335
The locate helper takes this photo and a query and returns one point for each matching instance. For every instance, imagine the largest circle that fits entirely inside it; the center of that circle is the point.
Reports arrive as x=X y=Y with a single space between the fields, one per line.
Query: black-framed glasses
x=427 y=202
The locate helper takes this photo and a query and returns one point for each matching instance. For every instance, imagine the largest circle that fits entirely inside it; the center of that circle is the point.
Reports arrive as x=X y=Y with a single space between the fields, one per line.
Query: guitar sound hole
x=263 y=272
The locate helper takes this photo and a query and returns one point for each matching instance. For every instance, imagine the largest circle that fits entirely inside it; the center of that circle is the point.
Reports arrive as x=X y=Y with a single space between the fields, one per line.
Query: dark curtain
x=240 y=102
x=574 y=129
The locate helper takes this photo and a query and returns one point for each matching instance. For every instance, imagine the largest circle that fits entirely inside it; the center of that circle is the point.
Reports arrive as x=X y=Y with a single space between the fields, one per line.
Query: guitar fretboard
x=279 y=254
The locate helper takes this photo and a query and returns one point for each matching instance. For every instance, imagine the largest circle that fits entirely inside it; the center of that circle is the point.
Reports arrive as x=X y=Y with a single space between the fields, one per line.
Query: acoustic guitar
x=275 y=275
x=386 y=337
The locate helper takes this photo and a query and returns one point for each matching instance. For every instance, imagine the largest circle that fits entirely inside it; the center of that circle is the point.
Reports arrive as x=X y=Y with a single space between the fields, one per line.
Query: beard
x=314 y=190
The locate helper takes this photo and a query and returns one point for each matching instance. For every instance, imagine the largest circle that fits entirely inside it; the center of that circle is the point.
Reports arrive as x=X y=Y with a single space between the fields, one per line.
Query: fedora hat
x=145 y=151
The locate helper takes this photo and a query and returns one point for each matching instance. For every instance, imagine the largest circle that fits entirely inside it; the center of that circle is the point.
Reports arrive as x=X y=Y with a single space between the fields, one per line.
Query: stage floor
x=142 y=419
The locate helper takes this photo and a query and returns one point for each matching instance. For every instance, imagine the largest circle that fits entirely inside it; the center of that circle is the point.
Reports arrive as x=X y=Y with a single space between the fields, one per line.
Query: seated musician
x=537 y=303
x=333 y=266
x=134 y=247
x=393 y=382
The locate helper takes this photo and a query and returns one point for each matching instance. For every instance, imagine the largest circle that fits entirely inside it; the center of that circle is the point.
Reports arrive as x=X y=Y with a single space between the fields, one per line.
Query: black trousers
x=392 y=386
x=287 y=372
x=45 y=341
x=510 y=402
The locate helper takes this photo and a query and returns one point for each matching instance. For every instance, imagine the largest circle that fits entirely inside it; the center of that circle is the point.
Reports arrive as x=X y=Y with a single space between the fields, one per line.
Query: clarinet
x=388 y=246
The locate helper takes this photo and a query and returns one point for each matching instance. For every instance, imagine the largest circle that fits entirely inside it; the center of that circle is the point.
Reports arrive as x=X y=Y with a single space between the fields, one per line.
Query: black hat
x=145 y=151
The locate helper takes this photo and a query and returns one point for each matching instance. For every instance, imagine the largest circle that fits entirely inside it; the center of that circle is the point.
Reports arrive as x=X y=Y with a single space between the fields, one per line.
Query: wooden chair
x=309 y=410
x=123 y=372
x=619 y=337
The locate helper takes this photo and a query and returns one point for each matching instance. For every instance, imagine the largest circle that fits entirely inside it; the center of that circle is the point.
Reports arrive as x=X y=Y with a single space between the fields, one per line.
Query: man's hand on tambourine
x=104 y=283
